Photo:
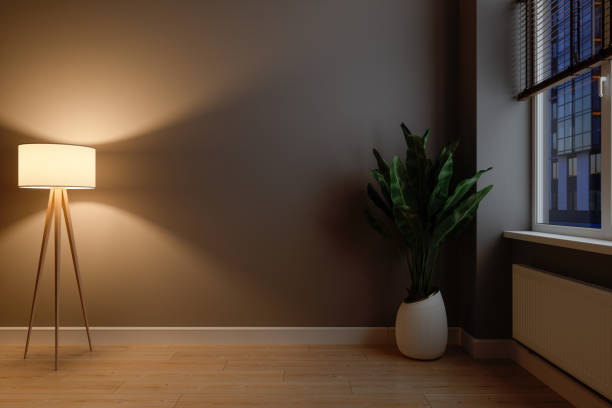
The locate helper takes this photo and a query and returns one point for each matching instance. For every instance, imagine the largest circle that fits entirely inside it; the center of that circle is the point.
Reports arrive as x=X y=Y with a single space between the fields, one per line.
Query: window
x=570 y=156
x=572 y=166
x=595 y=163
x=572 y=128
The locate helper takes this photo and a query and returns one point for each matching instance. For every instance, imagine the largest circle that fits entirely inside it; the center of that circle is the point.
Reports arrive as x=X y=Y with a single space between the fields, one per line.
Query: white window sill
x=600 y=246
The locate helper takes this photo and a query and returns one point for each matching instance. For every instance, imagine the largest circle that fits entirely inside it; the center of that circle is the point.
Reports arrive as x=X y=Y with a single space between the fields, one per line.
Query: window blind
x=558 y=39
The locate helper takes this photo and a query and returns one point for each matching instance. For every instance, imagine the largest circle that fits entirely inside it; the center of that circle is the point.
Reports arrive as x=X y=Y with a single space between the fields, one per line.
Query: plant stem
x=432 y=268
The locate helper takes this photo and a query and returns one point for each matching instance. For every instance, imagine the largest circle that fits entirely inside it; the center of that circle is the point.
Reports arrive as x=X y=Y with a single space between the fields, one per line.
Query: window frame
x=540 y=168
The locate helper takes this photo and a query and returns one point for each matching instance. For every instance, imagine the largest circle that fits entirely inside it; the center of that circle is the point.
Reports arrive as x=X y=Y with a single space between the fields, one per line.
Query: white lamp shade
x=56 y=165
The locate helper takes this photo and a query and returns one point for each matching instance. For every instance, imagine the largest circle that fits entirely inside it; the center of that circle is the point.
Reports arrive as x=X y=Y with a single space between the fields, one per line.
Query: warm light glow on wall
x=56 y=165
x=83 y=83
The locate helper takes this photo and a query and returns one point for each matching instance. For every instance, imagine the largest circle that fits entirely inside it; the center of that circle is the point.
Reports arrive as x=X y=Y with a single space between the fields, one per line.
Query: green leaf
x=378 y=201
x=384 y=186
x=415 y=147
x=462 y=189
x=460 y=228
x=402 y=186
x=375 y=224
x=397 y=186
x=425 y=137
x=409 y=224
x=452 y=146
x=440 y=191
x=465 y=209
x=446 y=151
x=405 y=129
x=417 y=166
x=424 y=211
x=383 y=166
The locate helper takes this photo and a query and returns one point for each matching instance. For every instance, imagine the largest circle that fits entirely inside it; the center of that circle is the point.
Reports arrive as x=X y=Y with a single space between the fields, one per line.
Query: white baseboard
x=212 y=335
x=487 y=348
x=569 y=388
x=202 y=335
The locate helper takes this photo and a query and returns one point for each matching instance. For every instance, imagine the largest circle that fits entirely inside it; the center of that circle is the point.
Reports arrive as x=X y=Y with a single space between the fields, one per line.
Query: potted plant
x=415 y=196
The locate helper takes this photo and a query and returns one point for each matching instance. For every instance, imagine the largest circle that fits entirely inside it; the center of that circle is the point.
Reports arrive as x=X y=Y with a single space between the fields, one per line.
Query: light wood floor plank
x=172 y=376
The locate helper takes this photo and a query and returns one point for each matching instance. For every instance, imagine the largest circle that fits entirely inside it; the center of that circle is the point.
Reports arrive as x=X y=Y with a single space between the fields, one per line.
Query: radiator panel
x=565 y=321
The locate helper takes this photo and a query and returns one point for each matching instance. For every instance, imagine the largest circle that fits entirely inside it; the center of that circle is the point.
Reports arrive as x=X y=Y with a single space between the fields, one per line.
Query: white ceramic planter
x=421 y=330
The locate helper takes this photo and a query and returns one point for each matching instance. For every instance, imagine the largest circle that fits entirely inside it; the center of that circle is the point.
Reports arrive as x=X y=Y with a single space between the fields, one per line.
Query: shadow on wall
x=233 y=144
x=271 y=222
x=240 y=184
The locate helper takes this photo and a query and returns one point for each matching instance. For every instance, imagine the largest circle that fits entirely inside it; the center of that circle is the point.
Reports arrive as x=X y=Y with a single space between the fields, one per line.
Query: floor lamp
x=57 y=167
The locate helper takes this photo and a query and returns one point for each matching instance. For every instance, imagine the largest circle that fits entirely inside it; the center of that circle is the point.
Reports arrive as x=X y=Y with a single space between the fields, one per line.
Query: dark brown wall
x=233 y=149
x=464 y=254
x=498 y=126
x=503 y=141
x=581 y=265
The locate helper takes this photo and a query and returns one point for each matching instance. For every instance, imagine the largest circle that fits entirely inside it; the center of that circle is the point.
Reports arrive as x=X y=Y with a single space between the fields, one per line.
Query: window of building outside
x=570 y=127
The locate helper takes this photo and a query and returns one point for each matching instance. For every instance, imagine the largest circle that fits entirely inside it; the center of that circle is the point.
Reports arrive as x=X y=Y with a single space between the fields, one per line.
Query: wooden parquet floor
x=262 y=376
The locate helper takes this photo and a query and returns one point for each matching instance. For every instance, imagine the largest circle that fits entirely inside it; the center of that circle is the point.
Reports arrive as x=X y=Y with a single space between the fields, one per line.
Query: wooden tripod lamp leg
x=75 y=259
x=58 y=241
x=58 y=200
x=41 y=261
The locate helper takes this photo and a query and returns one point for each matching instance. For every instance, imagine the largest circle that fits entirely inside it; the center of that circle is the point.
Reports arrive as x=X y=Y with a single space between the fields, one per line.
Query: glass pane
x=572 y=124
x=571 y=134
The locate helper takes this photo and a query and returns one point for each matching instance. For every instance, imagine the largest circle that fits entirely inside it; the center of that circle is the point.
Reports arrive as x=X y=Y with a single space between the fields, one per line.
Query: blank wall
x=233 y=146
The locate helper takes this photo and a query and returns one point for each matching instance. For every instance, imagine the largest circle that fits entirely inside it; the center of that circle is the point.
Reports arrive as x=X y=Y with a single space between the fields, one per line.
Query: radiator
x=565 y=321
